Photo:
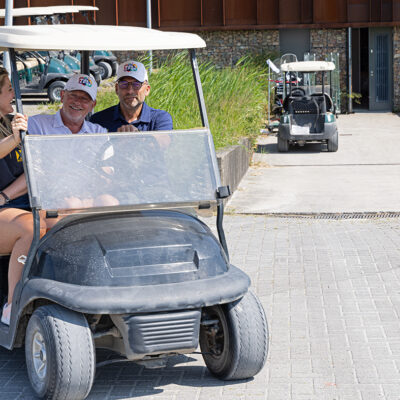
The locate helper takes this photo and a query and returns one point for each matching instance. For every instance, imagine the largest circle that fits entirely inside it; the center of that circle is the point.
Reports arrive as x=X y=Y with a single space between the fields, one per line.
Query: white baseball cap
x=134 y=69
x=82 y=82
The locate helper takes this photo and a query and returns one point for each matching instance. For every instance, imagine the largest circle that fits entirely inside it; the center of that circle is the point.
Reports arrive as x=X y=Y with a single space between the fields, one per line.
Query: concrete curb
x=233 y=163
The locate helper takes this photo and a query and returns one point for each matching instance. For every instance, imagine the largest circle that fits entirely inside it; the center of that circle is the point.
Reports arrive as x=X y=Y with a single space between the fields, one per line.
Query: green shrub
x=235 y=97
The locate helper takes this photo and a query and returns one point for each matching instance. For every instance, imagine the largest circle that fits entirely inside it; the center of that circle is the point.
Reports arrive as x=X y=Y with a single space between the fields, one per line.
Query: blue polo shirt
x=150 y=119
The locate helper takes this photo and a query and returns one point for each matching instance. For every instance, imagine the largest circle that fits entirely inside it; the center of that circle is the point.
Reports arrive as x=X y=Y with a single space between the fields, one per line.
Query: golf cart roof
x=94 y=37
x=308 y=66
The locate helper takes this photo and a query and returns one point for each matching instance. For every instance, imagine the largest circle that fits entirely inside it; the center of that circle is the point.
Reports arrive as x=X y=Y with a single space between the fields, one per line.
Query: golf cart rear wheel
x=333 y=142
x=105 y=69
x=234 y=338
x=283 y=145
x=60 y=355
x=54 y=90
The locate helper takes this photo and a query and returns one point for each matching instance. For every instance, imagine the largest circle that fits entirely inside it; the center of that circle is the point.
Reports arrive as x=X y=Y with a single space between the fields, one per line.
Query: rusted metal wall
x=236 y=14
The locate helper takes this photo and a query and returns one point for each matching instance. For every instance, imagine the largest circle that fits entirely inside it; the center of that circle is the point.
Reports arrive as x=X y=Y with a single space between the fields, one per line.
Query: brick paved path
x=331 y=291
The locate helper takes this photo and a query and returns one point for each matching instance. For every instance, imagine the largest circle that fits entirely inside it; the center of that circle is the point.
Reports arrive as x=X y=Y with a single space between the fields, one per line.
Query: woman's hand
x=19 y=123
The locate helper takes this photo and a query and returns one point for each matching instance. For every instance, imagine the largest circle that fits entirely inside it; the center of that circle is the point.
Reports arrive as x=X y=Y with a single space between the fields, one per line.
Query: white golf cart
x=309 y=113
x=144 y=277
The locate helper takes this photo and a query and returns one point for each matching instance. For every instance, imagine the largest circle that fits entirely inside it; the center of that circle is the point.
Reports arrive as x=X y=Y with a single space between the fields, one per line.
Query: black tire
x=60 y=354
x=54 y=90
x=333 y=142
x=114 y=68
x=237 y=346
x=283 y=145
x=105 y=69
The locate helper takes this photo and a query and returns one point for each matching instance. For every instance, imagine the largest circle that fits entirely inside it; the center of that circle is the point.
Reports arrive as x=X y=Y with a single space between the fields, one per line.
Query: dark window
x=180 y=12
x=238 y=12
x=358 y=10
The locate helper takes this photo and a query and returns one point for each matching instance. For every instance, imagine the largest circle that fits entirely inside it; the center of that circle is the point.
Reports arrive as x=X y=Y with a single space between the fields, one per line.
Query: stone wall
x=325 y=41
x=225 y=48
x=396 y=69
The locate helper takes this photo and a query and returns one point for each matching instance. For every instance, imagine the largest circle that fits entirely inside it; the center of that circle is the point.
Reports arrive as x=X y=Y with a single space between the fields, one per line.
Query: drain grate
x=350 y=215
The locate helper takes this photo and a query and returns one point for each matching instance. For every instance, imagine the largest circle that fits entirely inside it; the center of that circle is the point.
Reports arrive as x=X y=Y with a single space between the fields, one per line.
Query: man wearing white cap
x=132 y=113
x=78 y=99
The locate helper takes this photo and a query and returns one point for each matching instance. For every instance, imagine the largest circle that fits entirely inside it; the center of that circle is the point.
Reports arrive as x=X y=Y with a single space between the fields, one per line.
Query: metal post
x=8 y=22
x=15 y=81
x=199 y=89
x=85 y=63
x=148 y=5
x=350 y=67
x=269 y=96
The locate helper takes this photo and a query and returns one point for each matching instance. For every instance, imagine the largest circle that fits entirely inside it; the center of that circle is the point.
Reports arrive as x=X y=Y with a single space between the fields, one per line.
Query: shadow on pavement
x=272 y=148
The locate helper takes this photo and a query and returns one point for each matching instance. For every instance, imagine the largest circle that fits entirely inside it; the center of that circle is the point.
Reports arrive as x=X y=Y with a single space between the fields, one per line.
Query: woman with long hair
x=16 y=222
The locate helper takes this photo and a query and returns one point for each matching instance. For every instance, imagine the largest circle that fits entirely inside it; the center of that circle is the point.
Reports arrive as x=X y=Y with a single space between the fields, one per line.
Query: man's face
x=129 y=97
x=76 y=105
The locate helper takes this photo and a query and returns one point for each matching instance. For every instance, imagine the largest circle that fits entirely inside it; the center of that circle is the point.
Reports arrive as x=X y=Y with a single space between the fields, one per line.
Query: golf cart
x=129 y=267
x=309 y=112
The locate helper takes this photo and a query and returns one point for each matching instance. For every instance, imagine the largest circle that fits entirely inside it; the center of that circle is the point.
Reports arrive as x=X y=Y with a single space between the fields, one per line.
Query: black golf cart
x=309 y=113
x=129 y=267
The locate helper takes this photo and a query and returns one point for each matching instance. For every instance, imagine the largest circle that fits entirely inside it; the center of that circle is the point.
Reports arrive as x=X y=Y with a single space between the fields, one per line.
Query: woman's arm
x=17 y=188
x=8 y=144
x=19 y=123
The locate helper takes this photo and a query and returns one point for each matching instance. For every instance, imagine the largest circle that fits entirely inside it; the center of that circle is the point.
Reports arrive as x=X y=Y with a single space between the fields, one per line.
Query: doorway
x=372 y=68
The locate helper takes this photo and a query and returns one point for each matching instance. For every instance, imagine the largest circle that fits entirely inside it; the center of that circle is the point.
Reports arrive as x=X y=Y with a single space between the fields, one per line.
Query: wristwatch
x=5 y=197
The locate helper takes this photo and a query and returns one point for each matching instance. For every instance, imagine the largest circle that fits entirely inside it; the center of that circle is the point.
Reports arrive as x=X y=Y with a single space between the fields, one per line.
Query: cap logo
x=130 y=67
x=83 y=80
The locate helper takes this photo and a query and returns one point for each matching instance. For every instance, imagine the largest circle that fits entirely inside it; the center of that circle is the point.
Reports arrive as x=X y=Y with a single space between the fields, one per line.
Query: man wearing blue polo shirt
x=132 y=113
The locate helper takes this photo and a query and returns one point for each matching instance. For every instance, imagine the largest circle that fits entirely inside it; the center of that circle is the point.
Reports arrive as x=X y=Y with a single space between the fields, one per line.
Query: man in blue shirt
x=132 y=113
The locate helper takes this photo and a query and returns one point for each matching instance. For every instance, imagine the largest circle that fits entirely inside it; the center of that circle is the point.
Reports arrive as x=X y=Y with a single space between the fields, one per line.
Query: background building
x=366 y=33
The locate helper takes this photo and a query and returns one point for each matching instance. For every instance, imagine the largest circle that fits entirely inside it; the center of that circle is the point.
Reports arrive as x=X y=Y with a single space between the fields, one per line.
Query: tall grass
x=235 y=97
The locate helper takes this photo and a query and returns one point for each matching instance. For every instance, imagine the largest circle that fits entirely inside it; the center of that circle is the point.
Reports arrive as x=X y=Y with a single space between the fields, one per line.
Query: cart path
x=331 y=292
x=363 y=176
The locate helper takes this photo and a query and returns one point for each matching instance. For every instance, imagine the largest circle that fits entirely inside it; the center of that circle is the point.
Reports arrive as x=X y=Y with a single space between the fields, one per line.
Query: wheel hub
x=39 y=355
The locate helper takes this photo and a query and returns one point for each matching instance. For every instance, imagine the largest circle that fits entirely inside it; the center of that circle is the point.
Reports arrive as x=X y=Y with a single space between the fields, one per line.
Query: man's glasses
x=125 y=85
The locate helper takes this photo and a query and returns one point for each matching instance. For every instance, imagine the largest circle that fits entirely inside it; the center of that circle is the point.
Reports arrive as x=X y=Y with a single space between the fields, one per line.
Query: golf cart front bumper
x=220 y=289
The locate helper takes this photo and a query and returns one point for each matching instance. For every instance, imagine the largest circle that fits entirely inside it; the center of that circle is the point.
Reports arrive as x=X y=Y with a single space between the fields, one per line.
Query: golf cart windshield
x=155 y=169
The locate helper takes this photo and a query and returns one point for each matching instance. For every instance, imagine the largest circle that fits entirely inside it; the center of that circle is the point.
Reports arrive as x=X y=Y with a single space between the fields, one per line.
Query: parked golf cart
x=39 y=74
x=309 y=113
x=130 y=267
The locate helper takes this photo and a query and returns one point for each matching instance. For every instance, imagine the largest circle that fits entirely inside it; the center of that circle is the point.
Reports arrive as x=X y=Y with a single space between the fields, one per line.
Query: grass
x=236 y=98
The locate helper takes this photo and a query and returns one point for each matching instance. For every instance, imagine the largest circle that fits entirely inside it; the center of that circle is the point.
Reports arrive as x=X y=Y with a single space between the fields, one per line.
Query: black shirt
x=11 y=166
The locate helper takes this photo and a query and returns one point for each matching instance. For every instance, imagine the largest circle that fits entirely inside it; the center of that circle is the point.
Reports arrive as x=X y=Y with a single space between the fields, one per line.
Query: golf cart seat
x=288 y=99
x=325 y=106
x=305 y=111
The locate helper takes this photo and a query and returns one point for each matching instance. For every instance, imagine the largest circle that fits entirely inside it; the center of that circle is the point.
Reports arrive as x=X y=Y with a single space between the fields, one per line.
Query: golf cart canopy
x=308 y=66
x=94 y=37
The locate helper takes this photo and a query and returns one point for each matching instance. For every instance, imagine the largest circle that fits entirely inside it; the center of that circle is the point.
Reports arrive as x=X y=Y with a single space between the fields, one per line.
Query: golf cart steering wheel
x=298 y=92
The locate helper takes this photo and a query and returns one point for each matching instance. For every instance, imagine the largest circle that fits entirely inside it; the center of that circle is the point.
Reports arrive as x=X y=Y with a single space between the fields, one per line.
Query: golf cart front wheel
x=283 y=145
x=54 y=90
x=60 y=355
x=234 y=338
x=105 y=69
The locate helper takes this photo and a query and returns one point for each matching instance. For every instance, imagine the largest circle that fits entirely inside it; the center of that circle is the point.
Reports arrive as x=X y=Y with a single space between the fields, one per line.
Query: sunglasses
x=125 y=85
